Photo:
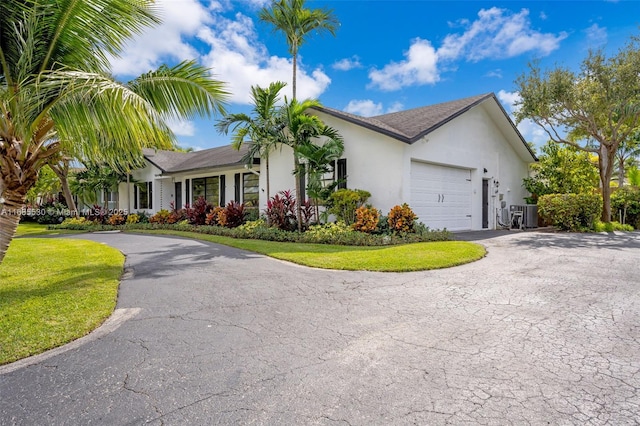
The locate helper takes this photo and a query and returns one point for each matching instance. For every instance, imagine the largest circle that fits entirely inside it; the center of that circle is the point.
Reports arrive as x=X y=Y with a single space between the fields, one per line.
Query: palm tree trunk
x=295 y=69
x=11 y=205
x=620 y=172
x=296 y=167
x=62 y=171
x=267 y=171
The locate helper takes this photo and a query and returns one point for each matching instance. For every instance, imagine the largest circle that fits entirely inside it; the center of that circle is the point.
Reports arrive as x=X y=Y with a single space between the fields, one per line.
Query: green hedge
x=571 y=212
x=326 y=234
x=625 y=203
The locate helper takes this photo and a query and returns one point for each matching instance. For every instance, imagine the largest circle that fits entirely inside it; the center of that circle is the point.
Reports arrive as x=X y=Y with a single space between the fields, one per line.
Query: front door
x=485 y=203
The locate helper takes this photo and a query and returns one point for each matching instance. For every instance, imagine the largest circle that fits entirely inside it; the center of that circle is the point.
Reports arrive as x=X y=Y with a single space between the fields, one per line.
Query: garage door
x=441 y=196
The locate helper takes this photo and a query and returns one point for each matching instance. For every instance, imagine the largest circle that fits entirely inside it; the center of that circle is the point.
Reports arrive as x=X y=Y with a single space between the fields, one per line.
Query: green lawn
x=32 y=229
x=398 y=258
x=53 y=291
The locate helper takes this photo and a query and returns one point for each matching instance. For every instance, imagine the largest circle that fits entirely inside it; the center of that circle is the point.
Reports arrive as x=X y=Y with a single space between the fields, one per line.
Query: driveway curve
x=544 y=330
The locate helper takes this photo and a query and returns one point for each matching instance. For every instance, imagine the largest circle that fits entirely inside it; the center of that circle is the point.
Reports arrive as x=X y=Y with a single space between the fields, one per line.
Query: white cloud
x=395 y=107
x=596 y=35
x=529 y=130
x=498 y=33
x=240 y=59
x=347 y=64
x=369 y=108
x=497 y=73
x=419 y=67
x=182 y=127
x=364 y=108
x=236 y=55
x=180 y=20
x=509 y=100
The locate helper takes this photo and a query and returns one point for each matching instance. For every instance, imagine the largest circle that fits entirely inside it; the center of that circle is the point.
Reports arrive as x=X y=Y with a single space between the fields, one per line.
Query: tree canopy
x=57 y=94
x=562 y=170
x=595 y=109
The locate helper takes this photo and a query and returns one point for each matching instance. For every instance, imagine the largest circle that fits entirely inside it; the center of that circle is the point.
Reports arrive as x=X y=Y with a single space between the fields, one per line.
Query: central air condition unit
x=529 y=214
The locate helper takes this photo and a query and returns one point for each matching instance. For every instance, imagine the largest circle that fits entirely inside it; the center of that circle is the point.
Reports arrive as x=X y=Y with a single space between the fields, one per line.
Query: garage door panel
x=441 y=196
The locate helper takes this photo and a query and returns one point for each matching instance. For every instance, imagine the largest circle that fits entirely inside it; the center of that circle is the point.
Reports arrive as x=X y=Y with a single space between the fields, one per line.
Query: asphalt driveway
x=544 y=330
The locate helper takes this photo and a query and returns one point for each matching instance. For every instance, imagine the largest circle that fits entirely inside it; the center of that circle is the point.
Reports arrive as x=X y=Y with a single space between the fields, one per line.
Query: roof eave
x=365 y=124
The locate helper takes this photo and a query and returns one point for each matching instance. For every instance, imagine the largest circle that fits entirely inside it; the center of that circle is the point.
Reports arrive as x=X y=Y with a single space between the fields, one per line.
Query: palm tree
x=299 y=130
x=296 y=23
x=319 y=160
x=57 y=96
x=47 y=187
x=261 y=128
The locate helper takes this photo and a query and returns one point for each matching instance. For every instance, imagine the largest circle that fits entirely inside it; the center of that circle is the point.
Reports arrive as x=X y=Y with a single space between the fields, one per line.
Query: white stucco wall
x=164 y=186
x=473 y=141
x=382 y=165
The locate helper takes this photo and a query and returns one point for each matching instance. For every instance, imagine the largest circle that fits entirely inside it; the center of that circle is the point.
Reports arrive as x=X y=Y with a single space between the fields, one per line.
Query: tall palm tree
x=296 y=22
x=56 y=94
x=299 y=129
x=260 y=129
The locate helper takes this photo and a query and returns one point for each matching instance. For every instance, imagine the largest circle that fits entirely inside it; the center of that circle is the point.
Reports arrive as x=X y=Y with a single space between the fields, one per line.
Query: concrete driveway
x=544 y=330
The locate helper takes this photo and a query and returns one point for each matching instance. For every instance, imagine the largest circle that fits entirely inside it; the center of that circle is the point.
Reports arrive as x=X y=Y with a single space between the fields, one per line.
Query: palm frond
x=186 y=89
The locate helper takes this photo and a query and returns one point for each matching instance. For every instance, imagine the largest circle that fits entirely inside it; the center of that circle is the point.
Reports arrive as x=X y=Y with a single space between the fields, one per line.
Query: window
x=208 y=187
x=237 y=186
x=250 y=193
x=178 y=195
x=342 y=173
x=143 y=196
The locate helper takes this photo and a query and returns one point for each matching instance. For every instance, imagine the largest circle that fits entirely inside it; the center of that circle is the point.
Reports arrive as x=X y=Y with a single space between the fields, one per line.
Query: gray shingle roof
x=411 y=125
x=172 y=161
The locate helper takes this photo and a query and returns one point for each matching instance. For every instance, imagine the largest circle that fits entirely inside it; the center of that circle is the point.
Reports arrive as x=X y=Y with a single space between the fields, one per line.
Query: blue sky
x=386 y=56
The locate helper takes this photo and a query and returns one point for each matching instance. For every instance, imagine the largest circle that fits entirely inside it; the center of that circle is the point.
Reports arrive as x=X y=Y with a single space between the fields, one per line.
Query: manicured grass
x=53 y=291
x=398 y=258
x=32 y=229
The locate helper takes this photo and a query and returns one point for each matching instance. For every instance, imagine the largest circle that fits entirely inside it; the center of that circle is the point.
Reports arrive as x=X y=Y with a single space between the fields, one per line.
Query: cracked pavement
x=544 y=330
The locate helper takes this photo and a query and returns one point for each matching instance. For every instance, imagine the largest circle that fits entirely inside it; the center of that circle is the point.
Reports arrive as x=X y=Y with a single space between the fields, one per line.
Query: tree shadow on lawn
x=79 y=278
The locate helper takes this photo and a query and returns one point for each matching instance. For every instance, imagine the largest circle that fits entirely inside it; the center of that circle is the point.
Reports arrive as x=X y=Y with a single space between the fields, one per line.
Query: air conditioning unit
x=529 y=214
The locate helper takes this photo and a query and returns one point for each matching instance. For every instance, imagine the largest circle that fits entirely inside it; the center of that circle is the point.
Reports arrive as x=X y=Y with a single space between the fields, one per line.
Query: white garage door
x=441 y=196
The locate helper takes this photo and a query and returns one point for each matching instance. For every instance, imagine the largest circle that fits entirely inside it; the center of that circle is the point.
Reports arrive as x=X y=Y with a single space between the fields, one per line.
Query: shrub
x=625 y=203
x=307 y=212
x=252 y=225
x=383 y=226
x=344 y=202
x=401 y=218
x=281 y=211
x=133 y=218
x=213 y=217
x=161 y=217
x=232 y=215
x=197 y=213
x=367 y=219
x=74 y=221
x=177 y=215
x=570 y=212
x=97 y=214
x=143 y=217
x=49 y=212
x=327 y=233
x=116 y=219
x=611 y=226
